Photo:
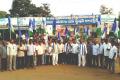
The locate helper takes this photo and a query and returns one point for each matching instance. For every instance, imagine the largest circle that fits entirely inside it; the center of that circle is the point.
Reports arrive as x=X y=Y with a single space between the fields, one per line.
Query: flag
x=33 y=24
x=30 y=28
x=114 y=25
x=119 y=34
x=58 y=36
x=54 y=26
x=43 y=22
x=98 y=30
x=20 y=34
x=115 y=28
x=74 y=30
x=104 y=32
x=10 y=26
x=27 y=36
x=67 y=33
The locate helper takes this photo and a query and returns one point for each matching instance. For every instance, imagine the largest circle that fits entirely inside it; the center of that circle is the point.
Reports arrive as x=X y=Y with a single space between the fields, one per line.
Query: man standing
x=55 y=53
x=75 y=52
x=12 y=52
x=39 y=52
x=101 y=54
x=82 y=54
x=107 y=47
x=95 y=53
x=21 y=55
x=30 y=54
x=61 y=46
x=67 y=53
x=4 y=56
x=89 y=54
x=112 y=57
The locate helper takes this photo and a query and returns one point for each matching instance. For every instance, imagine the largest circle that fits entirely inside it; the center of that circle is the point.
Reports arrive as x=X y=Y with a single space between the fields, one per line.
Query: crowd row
x=28 y=55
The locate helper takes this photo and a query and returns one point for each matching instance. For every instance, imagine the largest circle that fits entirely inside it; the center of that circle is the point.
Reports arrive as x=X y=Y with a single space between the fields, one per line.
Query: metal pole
x=3 y=35
x=10 y=33
x=18 y=29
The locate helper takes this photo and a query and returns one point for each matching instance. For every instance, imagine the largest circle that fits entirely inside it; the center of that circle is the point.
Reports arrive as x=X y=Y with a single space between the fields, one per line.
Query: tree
x=105 y=10
x=119 y=20
x=3 y=14
x=24 y=8
x=20 y=8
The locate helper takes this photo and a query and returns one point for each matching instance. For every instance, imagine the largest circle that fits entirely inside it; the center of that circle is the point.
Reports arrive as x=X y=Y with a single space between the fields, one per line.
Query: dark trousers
x=101 y=60
x=48 y=59
x=69 y=57
x=4 y=64
x=74 y=58
x=89 y=60
x=30 y=62
x=39 y=60
x=20 y=62
x=95 y=60
x=26 y=60
x=106 y=62
x=112 y=65
x=65 y=58
x=60 y=58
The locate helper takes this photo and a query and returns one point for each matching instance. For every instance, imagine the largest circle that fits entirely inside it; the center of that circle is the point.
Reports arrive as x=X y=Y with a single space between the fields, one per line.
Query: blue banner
x=72 y=21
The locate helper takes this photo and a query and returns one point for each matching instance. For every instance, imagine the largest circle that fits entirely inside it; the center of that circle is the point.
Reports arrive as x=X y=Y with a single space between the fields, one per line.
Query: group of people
x=91 y=53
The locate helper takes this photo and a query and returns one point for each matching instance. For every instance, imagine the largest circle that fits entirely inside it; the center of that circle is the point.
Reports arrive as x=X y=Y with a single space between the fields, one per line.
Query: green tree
x=20 y=8
x=3 y=14
x=24 y=8
x=119 y=20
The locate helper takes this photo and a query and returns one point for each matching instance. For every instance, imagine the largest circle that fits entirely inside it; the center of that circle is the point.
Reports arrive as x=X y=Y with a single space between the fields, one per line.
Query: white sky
x=68 y=7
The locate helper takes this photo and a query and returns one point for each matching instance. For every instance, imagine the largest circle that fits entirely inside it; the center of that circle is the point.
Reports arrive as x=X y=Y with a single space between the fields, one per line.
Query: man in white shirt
x=43 y=45
x=107 y=46
x=112 y=57
x=4 y=56
x=21 y=56
x=95 y=53
x=30 y=54
x=67 y=52
x=60 y=56
x=39 y=52
x=82 y=54
x=12 y=52
x=101 y=54
x=74 y=52
x=55 y=53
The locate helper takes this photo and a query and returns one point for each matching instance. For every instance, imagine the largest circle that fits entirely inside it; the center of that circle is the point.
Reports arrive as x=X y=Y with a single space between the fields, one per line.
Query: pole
x=3 y=35
x=18 y=29
x=10 y=33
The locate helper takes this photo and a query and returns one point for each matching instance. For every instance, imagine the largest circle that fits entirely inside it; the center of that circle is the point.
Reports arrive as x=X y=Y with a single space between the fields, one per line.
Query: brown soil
x=61 y=72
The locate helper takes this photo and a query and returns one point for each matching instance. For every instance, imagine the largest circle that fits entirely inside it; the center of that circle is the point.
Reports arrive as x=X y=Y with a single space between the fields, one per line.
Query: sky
x=68 y=7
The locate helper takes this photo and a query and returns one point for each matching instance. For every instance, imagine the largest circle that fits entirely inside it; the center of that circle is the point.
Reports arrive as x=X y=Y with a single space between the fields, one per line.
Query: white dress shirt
x=39 y=49
x=113 y=51
x=12 y=49
x=82 y=49
x=96 y=49
x=30 y=49
x=107 y=49
x=101 y=48
x=75 y=48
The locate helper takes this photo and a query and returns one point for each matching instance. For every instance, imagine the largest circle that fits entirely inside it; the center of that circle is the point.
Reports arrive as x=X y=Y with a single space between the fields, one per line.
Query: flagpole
x=18 y=29
x=10 y=33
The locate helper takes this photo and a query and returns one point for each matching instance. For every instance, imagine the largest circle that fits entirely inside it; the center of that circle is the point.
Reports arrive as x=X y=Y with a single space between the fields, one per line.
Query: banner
x=74 y=20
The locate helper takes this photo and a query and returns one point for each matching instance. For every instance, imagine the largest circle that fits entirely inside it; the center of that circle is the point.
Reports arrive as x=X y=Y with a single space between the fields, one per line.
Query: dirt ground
x=61 y=72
